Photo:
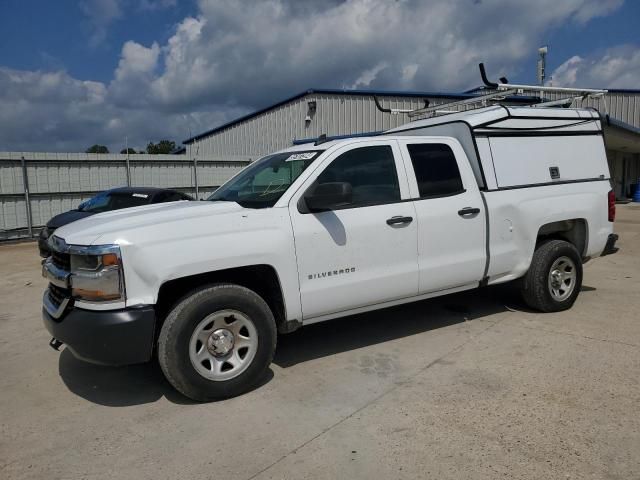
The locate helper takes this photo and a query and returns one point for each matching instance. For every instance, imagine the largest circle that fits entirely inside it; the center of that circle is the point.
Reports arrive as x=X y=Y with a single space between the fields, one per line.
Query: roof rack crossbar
x=567 y=101
x=469 y=102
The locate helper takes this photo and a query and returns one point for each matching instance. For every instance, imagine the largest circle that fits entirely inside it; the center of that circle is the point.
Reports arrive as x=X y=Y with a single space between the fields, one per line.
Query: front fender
x=157 y=256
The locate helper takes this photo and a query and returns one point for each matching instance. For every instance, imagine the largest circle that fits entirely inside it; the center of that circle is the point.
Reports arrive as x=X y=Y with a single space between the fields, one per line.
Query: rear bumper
x=610 y=248
x=112 y=337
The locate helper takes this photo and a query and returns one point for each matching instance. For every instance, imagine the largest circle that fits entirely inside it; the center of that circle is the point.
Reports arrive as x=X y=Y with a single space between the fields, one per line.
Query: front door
x=365 y=252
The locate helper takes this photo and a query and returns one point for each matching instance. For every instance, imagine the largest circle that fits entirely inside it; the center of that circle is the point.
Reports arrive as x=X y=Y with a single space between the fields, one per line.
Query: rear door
x=451 y=217
x=363 y=253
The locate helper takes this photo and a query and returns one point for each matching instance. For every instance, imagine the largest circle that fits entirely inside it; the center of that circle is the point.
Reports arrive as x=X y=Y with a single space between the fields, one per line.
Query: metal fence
x=35 y=186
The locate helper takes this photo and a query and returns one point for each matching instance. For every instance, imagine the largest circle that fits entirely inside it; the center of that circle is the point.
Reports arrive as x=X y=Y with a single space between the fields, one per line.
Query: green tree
x=163 y=147
x=128 y=150
x=97 y=149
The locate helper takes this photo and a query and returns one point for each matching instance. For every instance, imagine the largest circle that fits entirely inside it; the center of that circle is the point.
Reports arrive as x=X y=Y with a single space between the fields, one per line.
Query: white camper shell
x=523 y=146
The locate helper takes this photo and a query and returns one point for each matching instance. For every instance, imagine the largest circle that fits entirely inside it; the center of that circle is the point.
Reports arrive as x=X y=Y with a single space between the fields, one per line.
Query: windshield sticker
x=301 y=156
x=140 y=195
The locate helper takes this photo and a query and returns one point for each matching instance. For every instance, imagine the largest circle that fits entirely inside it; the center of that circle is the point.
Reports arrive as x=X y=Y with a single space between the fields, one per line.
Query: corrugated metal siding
x=59 y=182
x=13 y=214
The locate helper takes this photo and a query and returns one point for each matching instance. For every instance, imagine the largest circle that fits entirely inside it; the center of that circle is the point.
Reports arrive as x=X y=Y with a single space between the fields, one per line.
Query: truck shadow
x=115 y=386
x=145 y=383
x=121 y=386
x=357 y=331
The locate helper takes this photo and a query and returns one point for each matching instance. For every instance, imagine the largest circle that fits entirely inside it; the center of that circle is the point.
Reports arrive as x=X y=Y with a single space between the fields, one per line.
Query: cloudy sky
x=75 y=73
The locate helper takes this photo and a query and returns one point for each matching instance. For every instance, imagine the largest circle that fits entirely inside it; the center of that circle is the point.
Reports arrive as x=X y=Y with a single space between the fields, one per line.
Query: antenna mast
x=542 y=64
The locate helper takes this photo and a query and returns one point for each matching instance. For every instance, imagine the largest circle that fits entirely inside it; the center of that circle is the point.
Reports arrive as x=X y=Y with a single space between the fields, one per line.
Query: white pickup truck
x=320 y=231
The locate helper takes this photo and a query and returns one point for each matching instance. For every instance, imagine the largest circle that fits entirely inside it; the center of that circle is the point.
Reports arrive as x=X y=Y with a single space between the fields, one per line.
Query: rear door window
x=436 y=169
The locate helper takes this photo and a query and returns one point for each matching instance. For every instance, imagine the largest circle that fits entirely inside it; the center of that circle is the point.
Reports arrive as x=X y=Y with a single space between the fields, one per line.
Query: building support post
x=195 y=177
x=126 y=147
x=128 y=171
x=27 y=199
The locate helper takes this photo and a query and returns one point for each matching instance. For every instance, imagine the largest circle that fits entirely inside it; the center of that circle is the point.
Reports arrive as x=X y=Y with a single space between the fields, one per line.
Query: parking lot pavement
x=471 y=385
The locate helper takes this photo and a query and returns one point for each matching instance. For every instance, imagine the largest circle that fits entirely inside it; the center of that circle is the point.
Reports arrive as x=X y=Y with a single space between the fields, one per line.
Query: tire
x=554 y=278
x=199 y=345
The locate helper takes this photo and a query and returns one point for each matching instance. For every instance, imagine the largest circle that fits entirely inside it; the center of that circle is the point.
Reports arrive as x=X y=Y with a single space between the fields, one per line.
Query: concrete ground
x=466 y=386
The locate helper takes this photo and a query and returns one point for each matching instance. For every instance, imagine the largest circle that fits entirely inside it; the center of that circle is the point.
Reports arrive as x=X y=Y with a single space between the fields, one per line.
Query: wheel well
x=262 y=279
x=574 y=231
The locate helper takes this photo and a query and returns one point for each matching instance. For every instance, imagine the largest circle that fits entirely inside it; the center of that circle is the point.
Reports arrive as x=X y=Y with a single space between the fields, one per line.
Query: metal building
x=338 y=113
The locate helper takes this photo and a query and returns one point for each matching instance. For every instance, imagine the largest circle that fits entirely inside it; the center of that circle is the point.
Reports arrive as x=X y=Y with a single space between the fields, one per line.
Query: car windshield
x=261 y=184
x=107 y=201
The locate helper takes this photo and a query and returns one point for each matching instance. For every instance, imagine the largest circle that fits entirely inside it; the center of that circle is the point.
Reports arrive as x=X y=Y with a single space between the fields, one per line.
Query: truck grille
x=57 y=294
x=61 y=260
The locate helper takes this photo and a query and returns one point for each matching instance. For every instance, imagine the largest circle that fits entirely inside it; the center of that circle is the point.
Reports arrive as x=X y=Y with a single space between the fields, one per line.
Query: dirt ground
x=471 y=385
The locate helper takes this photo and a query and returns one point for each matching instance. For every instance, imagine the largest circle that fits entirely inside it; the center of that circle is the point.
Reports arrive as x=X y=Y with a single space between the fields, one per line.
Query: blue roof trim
x=614 y=122
x=623 y=90
x=337 y=91
x=338 y=137
x=610 y=90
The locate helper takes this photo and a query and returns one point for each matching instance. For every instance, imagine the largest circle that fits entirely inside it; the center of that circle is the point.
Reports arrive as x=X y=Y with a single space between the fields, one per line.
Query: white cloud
x=233 y=57
x=597 y=9
x=409 y=72
x=369 y=75
x=135 y=71
x=231 y=54
x=101 y=13
x=54 y=112
x=616 y=67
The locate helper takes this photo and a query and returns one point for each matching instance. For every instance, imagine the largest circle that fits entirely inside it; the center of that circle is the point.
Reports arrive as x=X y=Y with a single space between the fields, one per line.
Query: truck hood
x=115 y=226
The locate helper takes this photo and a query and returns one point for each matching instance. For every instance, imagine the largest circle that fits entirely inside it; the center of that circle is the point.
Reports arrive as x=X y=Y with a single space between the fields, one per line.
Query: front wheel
x=217 y=342
x=554 y=279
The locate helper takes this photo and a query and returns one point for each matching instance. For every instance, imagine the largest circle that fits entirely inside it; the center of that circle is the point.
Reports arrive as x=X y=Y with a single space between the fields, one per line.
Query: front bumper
x=43 y=247
x=107 y=337
x=610 y=248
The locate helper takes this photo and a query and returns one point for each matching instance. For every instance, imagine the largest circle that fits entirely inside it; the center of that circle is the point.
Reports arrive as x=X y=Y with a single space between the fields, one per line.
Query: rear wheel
x=217 y=342
x=554 y=278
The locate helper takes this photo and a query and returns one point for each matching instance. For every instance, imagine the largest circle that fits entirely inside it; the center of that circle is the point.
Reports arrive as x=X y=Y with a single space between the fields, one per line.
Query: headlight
x=96 y=273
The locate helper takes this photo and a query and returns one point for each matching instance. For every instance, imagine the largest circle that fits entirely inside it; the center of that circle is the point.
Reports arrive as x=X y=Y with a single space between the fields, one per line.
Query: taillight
x=612 y=206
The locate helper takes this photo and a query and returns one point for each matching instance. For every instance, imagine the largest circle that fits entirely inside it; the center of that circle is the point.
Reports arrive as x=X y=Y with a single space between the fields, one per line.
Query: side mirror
x=328 y=196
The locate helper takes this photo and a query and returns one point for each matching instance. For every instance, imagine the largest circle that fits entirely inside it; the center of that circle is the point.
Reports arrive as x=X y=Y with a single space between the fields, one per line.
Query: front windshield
x=261 y=184
x=107 y=201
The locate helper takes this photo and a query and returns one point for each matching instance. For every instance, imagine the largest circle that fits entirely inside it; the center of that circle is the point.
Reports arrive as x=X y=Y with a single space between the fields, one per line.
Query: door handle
x=399 y=220
x=468 y=211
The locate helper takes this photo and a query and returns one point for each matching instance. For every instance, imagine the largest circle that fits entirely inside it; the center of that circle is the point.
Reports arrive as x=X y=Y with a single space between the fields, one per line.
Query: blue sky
x=53 y=34
x=74 y=73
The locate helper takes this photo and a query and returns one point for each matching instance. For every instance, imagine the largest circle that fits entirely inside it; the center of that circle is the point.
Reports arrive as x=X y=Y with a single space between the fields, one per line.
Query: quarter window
x=371 y=171
x=436 y=169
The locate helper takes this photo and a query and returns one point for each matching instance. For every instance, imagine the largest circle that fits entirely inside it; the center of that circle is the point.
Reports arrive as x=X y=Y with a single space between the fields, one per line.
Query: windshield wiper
x=222 y=199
